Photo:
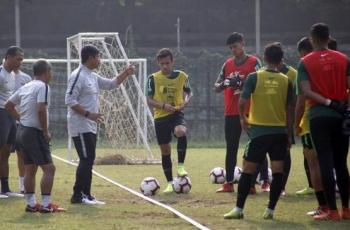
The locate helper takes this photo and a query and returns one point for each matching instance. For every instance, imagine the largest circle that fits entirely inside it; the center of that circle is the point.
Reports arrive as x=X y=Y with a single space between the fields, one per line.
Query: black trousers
x=332 y=150
x=233 y=132
x=85 y=144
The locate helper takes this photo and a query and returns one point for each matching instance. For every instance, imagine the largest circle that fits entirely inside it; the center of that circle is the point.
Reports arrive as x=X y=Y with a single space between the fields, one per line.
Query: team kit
x=270 y=102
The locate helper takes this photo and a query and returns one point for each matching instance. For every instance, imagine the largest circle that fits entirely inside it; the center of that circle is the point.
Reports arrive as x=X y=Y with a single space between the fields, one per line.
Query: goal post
x=128 y=127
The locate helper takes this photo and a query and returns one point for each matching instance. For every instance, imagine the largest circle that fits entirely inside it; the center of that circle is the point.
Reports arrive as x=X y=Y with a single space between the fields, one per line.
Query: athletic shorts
x=7 y=128
x=273 y=144
x=165 y=127
x=306 y=141
x=33 y=146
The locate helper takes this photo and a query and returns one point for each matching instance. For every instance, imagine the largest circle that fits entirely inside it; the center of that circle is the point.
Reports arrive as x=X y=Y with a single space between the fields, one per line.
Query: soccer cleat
x=268 y=214
x=227 y=187
x=318 y=211
x=181 y=171
x=234 y=214
x=3 y=196
x=35 y=208
x=330 y=215
x=93 y=199
x=13 y=194
x=169 y=188
x=265 y=187
x=252 y=191
x=345 y=213
x=51 y=208
x=305 y=191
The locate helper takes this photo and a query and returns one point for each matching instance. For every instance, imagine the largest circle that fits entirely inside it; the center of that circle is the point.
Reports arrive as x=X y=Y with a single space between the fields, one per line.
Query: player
x=168 y=93
x=234 y=70
x=82 y=98
x=269 y=125
x=324 y=78
x=33 y=136
x=13 y=59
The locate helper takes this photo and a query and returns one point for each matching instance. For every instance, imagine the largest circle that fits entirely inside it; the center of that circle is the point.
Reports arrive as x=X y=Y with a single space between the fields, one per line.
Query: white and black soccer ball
x=149 y=186
x=182 y=184
x=217 y=175
x=269 y=171
x=237 y=174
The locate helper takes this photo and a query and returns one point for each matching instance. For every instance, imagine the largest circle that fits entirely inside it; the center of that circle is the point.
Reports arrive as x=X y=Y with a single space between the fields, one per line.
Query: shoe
x=268 y=214
x=305 y=191
x=318 y=211
x=93 y=199
x=81 y=200
x=265 y=187
x=345 y=213
x=283 y=193
x=226 y=187
x=13 y=194
x=169 y=188
x=330 y=215
x=252 y=191
x=3 y=196
x=51 y=208
x=234 y=214
x=181 y=171
x=35 y=208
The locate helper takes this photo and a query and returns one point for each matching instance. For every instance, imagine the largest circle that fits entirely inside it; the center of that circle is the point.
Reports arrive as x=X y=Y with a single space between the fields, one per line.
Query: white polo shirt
x=21 y=79
x=7 y=85
x=84 y=89
x=27 y=98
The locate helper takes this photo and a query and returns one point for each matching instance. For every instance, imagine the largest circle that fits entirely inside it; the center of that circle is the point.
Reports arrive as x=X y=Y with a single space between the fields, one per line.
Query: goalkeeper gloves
x=234 y=82
x=346 y=123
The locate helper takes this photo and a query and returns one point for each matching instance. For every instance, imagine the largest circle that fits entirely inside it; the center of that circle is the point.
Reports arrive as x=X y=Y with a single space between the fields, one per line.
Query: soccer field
x=125 y=211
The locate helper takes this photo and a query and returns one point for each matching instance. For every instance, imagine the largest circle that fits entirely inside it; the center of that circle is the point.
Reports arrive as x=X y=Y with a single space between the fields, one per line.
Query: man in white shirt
x=82 y=98
x=33 y=136
x=13 y=59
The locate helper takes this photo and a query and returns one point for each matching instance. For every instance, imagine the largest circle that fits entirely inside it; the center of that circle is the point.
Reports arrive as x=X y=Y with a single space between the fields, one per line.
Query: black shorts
x=7 y=128
x=33 y=146
x=165 y=127
x=307 y=141
x=273 y=144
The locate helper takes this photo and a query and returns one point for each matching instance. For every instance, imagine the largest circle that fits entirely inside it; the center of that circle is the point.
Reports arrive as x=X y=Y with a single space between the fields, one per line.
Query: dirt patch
x=115 y=159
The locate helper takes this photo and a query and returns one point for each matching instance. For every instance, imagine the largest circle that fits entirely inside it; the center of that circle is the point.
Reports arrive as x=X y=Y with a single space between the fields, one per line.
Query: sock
x=181 y=149
x=320 y=198
x=243 y=189
x=286 y=169
x=45 y=199
x=30 y=198
x=236 y=209
x=21 y=183
x=167 y=167
x=307 y=172
x=275 y=189
x=5 y=185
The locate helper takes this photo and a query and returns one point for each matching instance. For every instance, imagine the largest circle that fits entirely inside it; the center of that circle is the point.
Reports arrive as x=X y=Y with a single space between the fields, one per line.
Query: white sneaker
x=92 y=198
x=85 y=200
x=3 y=196
x=14 y=194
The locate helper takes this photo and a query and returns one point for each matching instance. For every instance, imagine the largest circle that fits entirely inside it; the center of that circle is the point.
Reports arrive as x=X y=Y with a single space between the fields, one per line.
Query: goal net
x=128 y=126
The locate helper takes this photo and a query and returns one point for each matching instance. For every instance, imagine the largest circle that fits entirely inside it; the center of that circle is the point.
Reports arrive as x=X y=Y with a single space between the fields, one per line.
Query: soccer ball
x=149 y=186
x=237 y=174
x=182 y=184
x=269 y=171
x=217 y=175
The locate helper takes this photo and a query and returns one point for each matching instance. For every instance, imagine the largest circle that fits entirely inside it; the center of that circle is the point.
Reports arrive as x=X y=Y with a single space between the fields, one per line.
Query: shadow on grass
x=276 y=224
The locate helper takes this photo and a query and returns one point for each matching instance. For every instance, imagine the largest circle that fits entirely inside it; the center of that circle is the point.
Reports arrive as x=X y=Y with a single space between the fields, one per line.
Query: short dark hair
x=234 y=37
x=88 y=51
x=320 y=32
x=304 y=44
x=273 y=53
x=40 y=67
x=164 y=52
x=13 y=50
x=332 y=44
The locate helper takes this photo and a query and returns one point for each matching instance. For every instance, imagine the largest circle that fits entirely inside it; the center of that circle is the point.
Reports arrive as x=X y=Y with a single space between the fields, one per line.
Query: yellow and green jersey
x=290 y=72
x=167 y=89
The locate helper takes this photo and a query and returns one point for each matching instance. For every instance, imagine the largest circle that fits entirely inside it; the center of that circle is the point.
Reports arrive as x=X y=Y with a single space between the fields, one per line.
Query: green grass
x=125 y=211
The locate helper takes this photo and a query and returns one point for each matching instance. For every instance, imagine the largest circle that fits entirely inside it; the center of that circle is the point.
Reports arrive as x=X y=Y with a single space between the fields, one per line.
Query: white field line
x=176 y=212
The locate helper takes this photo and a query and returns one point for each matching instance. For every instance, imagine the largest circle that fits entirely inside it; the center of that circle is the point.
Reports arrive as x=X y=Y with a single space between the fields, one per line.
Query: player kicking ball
x=269 y=125
x=33 y=136
x=168 y=93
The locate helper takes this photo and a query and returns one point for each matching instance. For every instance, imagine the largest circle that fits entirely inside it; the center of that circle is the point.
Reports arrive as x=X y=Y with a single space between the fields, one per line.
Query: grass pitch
x=125 y=211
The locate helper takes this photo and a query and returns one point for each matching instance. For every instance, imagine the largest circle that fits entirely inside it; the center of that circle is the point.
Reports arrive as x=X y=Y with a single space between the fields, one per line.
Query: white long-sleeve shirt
x=7 y=85
x=84 y=89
